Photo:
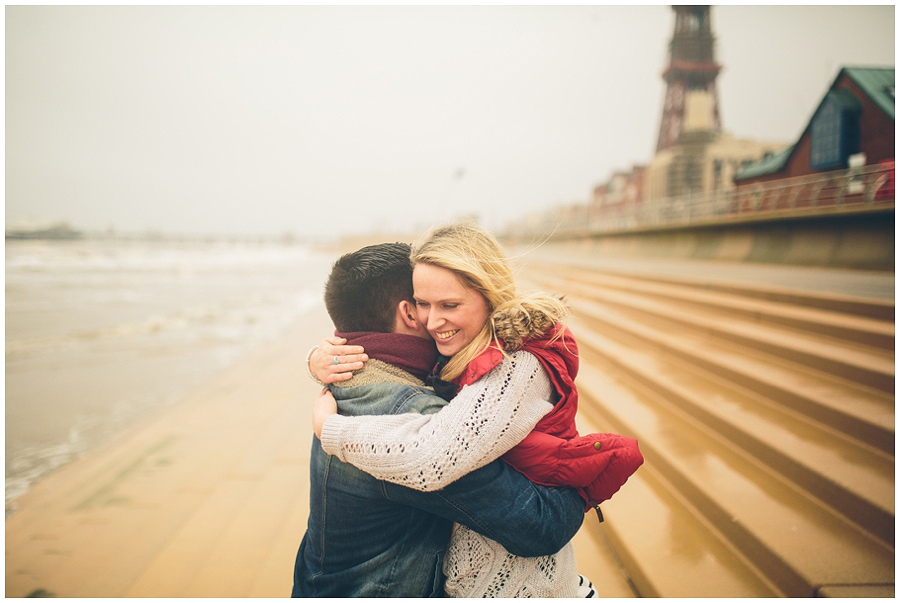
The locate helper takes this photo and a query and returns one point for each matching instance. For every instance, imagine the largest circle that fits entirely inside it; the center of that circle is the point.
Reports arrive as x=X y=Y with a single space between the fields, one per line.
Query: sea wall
x=859 y=241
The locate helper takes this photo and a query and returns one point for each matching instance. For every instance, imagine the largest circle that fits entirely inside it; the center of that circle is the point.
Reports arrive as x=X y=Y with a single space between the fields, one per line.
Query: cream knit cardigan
x=427 y=452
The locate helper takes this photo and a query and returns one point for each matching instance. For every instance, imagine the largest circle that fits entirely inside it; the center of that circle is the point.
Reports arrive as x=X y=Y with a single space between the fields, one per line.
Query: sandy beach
x=207 y=498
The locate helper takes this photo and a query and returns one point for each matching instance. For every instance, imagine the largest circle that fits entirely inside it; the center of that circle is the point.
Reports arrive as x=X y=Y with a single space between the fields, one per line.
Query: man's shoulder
x=386 y=398
x=377 y=371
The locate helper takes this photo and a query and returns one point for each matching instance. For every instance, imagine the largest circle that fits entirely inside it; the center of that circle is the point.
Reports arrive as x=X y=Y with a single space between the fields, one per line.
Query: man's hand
x=324 y=406
x=349 y=358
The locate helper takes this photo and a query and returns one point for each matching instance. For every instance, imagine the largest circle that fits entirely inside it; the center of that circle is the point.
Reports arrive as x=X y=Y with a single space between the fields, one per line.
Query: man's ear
x=406 y=313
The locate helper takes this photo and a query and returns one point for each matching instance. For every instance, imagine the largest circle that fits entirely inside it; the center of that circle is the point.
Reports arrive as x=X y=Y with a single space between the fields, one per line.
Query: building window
x=835 y=131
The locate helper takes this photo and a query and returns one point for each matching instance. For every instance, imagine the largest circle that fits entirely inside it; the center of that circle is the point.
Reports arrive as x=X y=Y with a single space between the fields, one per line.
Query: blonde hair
x=477 y=258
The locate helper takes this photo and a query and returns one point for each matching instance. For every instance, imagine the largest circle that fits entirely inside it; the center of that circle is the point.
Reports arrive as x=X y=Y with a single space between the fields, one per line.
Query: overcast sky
x=333 y=120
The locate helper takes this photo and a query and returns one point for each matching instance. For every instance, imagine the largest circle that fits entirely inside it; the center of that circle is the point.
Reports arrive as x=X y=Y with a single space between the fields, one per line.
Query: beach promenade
x=208 y=498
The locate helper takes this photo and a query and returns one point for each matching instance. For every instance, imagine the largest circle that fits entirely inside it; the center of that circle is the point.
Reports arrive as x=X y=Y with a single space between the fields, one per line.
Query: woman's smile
x=452 y=313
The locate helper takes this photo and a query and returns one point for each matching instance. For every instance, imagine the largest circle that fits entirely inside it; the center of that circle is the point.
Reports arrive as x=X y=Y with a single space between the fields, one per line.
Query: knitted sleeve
x=428 y=452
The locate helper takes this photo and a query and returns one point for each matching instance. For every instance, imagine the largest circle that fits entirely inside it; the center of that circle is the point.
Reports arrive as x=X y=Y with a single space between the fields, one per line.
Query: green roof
x=770 y=165
x=877 y=83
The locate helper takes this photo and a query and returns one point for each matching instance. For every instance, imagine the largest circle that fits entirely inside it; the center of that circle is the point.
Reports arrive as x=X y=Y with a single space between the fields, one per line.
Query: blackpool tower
x=691 y=97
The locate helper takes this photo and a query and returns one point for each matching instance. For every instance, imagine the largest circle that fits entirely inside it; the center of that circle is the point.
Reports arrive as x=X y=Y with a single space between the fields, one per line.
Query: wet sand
x=207 y=498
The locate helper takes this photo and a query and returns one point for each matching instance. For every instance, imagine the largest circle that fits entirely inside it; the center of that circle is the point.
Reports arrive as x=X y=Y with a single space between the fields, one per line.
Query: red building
x=853 y=126
x=615 y=200
x=623 y=188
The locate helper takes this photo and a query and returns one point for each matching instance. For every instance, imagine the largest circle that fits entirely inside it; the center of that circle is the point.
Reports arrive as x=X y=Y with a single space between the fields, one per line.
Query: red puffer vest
x=553 y=454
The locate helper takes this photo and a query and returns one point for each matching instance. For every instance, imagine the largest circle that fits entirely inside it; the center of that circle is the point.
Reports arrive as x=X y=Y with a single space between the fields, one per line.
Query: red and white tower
x=691 y=98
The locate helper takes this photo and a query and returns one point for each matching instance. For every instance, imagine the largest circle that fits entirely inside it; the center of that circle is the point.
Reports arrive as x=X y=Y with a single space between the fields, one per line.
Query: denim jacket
x=370 y=538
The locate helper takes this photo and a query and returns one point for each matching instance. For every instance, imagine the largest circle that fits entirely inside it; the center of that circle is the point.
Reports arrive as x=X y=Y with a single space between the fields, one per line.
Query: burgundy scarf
x=415 y=355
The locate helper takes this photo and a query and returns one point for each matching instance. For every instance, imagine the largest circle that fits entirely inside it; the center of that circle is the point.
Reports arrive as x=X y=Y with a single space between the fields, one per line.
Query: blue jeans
x=369 y=538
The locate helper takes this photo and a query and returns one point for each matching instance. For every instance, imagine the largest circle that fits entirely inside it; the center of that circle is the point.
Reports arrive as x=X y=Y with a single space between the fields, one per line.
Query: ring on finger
x=336 y=361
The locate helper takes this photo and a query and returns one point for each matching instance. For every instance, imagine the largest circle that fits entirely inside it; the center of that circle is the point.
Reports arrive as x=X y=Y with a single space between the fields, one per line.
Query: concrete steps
x=767 y=424
x=748 y=303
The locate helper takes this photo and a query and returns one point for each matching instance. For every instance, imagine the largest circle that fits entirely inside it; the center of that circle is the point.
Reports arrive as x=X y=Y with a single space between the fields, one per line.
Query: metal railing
x=856 y=188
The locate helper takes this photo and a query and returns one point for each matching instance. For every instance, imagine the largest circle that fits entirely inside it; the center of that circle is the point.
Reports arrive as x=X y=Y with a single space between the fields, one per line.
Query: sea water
x=101 y=332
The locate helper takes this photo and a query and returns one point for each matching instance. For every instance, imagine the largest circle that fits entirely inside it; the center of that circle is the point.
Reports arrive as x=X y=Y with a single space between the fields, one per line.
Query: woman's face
x=452 y=313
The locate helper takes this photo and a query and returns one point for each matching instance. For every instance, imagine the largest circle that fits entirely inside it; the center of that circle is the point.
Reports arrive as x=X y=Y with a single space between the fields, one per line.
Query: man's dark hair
x=364 y=287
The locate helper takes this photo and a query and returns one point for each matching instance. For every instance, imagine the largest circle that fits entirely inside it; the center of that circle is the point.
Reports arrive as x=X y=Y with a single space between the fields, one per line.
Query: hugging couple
x=446 y=460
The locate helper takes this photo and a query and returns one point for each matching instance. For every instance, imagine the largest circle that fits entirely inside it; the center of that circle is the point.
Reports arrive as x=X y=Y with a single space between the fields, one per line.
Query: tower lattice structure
x=692 y=67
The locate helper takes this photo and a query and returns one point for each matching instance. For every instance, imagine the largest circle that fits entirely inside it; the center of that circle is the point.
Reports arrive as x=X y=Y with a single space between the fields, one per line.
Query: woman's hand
x=324 y=406
x=322 y=360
